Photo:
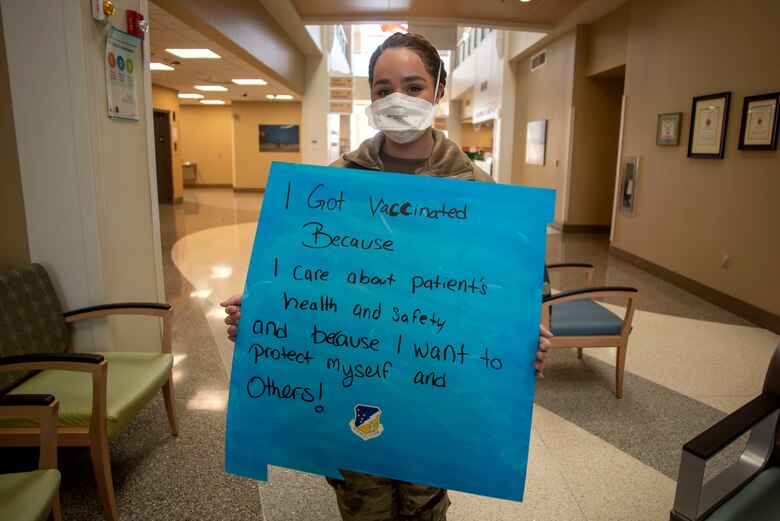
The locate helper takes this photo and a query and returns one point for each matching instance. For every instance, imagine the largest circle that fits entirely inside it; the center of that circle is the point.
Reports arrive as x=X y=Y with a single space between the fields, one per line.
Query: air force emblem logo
x=366 y=423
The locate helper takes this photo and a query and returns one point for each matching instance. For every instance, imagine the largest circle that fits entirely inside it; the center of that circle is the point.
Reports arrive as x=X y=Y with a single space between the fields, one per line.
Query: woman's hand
x=541 y=351
x=233 y=309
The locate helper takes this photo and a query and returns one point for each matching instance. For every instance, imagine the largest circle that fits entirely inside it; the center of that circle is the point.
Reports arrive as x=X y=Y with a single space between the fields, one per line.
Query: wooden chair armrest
x=119 y=308
x=162 y=310
x=573 y=267
x=82 y=362
x=45 y=408
x=590 y=293
x=94 y=364
x=10 y=403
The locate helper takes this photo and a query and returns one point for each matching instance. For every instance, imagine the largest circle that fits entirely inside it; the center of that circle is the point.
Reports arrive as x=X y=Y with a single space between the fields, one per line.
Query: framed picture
x=668 y=129
x=279 y=138
x=759 y=122
x=628 y=185
x=535 y=141
x=709 y=116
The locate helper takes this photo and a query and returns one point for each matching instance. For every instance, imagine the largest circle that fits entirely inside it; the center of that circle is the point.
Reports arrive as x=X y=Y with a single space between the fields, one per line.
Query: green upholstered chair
x=99 y=393
x=33 y=495
x=577 y=320
x=748 y=489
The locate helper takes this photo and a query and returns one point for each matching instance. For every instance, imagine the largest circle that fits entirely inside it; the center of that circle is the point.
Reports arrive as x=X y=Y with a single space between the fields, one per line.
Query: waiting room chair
x=749 y=489
x=578 y=321
x=34 y=495
x=99 y=393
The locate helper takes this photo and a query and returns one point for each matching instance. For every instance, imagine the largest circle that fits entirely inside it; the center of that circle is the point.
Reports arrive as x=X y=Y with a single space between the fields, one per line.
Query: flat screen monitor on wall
x=280 y=138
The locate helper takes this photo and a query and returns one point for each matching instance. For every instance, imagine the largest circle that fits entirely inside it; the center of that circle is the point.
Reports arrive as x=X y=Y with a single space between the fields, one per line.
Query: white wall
x=88 y=182
x=314 y=129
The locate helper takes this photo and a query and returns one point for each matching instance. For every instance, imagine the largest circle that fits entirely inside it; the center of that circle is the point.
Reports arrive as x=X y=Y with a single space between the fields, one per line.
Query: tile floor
x=592 y=457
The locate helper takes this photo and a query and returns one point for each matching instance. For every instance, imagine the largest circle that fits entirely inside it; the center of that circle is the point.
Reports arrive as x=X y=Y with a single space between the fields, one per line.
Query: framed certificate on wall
x=668 y=129
x=709 y=117
x=759 y=122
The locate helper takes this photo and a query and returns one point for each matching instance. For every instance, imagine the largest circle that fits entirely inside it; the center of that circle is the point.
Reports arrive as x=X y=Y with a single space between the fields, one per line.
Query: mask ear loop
x=436 y=88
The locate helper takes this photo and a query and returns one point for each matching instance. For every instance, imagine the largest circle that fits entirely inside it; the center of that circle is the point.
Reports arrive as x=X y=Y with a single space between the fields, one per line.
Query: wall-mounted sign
x=341 y=107
x=341 y=94
x=122 y=58
x=341 y=82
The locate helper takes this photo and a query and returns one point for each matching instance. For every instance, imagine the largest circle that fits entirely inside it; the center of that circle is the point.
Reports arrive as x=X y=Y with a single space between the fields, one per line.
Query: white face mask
x=402 y=118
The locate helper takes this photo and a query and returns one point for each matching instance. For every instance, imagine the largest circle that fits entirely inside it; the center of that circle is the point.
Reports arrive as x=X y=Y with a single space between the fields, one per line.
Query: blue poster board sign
x=388 y=327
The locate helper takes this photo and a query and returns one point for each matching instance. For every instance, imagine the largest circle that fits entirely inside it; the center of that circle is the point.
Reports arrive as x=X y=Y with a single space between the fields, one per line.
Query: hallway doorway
x=605 y=130
x=162 y=153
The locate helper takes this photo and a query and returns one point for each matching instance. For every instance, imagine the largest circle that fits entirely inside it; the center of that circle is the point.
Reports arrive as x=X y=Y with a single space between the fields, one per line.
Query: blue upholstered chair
x=578 y=321
x=33 y=495
x=749 y=489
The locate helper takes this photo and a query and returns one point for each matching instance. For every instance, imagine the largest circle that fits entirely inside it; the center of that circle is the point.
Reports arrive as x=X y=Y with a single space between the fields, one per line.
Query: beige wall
x=252 y=166
x=607 y=42
x=207 y=140
x=167 y=99
x=597 y=104
x=583 y=121
x=690 y=212
x=86 y=179
x=13 y=232
x=482 y=138
x=546 y=94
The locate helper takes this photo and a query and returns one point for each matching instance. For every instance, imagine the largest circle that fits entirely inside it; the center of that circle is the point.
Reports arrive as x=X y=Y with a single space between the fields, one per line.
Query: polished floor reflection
x=592 y=456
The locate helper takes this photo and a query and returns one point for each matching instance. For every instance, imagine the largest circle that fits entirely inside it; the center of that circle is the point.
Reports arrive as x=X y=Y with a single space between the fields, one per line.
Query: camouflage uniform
x=362 y=497
x=447 y=160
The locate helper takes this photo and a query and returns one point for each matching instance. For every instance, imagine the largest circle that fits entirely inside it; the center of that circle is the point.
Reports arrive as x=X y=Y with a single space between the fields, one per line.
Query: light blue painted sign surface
x=389 y=324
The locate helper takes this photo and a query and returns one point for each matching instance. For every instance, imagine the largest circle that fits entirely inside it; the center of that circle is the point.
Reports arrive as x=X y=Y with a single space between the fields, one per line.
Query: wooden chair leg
x=579 y=352
x=620 y=365
x=56 y=511
x=170 y=406
x=101 y=463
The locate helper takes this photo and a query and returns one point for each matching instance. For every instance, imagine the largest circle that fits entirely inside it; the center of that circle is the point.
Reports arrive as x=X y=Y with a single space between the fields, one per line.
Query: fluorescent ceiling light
x=211 y=88
x=213 y=102
x=157 y=66
x=250 y=81
x=194 y=53
x=190 y=96
x=279 y=96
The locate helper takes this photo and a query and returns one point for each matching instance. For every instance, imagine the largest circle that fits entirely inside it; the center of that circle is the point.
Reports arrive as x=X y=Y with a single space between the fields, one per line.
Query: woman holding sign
x=407 y=80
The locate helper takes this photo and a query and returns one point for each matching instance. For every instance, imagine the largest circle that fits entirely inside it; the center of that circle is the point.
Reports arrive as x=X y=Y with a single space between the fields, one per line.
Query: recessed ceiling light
x=211 y=88
x=212 y=102
x=278 y=96
x=194 y=53
x=187 y=95
x=250 y=81
x=157 y=66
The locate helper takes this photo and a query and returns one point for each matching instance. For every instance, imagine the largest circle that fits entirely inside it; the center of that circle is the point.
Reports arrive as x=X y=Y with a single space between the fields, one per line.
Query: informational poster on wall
x=122 y=58
x=389 y=326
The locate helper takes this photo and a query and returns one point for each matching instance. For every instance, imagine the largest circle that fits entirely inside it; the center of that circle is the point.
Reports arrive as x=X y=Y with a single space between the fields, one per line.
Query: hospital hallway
x=592 y=456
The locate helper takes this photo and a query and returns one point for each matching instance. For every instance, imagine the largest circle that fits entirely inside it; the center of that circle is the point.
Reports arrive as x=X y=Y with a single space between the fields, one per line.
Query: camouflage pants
x=362 y=497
